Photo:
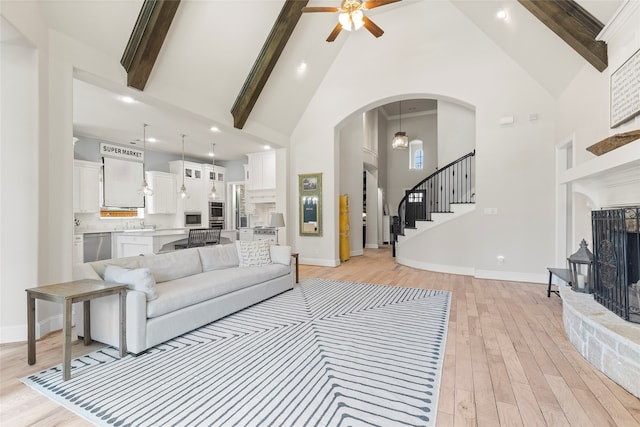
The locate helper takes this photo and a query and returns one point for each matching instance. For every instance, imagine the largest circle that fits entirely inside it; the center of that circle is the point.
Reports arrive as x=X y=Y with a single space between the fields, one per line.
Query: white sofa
x=193 y=286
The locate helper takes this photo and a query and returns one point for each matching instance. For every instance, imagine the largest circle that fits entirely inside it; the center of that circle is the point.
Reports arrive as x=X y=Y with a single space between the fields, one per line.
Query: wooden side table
x=295 y=256
x=66 y=294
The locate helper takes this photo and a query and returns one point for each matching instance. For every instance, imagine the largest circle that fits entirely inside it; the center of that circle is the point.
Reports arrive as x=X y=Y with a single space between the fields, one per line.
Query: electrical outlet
x=500 y=259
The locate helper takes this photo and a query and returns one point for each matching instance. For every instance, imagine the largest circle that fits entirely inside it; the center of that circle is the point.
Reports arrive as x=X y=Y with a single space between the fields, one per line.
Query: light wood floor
x=507 y=361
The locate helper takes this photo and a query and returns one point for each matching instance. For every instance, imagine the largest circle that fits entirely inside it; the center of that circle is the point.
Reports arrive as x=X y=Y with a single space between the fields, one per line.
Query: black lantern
x=581 y=266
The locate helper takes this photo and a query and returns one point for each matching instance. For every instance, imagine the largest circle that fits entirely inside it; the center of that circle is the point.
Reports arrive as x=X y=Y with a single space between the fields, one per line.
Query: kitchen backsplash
x=261 y=214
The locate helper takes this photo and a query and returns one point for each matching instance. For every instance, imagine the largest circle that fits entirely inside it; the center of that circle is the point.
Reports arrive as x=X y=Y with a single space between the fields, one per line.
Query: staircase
x=446 y=194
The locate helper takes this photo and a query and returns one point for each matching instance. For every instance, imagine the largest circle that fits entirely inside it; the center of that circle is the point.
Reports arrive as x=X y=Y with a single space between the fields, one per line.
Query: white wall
x=351 y=168
x=456 y=131
x=450 y=51
x=371 y=233
x=19 y=186
x=399 y=176
x=46 y=140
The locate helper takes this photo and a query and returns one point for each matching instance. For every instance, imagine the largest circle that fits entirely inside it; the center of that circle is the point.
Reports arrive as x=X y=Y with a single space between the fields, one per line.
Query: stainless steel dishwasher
x=97 y=246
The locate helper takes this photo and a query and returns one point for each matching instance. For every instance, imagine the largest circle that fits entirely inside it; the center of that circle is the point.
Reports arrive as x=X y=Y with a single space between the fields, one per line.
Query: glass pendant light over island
x=144 y=189
x=182 y=194
x=212 y=193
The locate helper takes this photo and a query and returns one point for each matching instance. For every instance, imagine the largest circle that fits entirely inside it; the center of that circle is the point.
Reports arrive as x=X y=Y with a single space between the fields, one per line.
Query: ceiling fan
x=351 y=17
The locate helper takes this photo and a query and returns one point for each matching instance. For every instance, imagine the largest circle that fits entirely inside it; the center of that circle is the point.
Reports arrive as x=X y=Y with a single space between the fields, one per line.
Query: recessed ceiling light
x=502 y=14
x=211 y=154
x=267 y=147
x=127 y=99
x=152 y=139
x=302 y=66
x=214 y=129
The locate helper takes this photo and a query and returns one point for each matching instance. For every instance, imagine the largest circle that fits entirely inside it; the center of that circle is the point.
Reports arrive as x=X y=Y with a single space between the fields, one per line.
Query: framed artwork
x=310 y=190
x=625 y=91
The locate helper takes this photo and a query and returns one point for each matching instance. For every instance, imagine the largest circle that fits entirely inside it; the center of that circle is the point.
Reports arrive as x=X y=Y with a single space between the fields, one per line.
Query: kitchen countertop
x=144 y=231
x=136 y=231
x=154 y=233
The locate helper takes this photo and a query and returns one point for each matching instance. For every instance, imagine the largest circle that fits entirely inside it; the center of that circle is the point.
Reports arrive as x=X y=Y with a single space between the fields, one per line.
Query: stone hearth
x=608 y=342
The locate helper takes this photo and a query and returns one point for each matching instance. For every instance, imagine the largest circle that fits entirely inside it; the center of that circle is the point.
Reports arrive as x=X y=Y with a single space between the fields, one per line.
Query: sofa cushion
x=127 y=262
x=173 y=265
x=84 y=271
x=217 y=257
x=253 y=253
x=191 y=290
x=139 y=279
x=280 y=254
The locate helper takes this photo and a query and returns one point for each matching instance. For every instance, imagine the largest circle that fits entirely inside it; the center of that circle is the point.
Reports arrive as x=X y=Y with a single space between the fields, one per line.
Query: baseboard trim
x=18 y=333
x=440 y=268
x=512 y=276
x=320 y=262
x=9 y=334
x=357 y=252
x=371 y=246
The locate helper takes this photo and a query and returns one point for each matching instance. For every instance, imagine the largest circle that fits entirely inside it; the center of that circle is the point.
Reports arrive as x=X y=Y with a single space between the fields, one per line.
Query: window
x=416 y=197
x=417 y=159
x=416 y=154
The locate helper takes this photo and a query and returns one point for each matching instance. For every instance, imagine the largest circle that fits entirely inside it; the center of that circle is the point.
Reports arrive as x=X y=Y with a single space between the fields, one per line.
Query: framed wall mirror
x=310 y=190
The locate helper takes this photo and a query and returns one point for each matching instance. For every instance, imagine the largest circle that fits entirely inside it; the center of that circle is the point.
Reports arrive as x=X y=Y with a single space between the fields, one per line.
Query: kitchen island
x=146 y=241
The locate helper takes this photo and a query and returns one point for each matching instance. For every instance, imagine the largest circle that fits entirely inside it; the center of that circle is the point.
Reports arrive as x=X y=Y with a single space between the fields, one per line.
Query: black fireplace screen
x=616 y=242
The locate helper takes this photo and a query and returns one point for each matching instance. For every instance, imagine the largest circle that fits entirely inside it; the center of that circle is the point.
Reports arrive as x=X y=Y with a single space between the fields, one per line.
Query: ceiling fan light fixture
x=345 y=20
x=356 y=18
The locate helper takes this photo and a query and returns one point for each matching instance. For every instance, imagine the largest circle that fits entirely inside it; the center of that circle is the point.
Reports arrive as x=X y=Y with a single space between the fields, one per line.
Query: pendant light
x=144 y=189
x=182 y=194
x=400 y=140
x=212 y=193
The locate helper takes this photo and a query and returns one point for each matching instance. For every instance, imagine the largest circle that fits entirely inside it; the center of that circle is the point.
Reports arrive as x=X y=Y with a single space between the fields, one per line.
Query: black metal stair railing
x=453 y=183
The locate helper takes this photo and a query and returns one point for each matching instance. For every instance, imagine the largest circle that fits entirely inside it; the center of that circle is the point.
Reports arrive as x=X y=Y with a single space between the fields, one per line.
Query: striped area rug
x=327 y=353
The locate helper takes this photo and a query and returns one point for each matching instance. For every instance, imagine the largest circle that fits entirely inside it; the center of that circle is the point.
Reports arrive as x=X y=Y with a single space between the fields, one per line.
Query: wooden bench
x=562 y=273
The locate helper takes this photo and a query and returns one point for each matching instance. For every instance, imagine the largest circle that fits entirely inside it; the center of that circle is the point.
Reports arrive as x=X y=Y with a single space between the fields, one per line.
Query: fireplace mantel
x=610 y=179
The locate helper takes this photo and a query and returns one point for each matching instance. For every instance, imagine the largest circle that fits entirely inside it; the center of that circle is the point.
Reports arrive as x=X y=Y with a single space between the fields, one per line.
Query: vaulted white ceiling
x=212 y=45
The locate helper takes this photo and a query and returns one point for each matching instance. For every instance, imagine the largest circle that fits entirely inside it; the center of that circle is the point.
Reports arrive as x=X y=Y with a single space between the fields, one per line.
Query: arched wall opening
x=375 y=176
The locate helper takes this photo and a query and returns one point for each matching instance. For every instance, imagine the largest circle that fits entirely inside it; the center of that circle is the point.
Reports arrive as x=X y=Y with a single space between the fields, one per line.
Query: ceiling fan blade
x=370 y=4
x=334 y=33
x=373 y=28
x=320 y=9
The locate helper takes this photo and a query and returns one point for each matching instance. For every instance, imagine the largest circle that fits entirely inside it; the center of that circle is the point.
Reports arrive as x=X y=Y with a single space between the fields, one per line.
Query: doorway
x=416 y=207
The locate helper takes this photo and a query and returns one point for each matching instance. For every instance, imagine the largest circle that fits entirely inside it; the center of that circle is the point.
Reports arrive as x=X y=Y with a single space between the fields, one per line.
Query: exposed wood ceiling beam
x=577 y=27
x=266 y=61
x=146 y=40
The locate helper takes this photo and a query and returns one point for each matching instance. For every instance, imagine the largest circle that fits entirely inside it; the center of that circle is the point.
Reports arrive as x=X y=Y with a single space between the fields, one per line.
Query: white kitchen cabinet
x=78 y=249
x=261 y=171
x=146 y=241
x=193 y=182
x=246 y=234
x=164 y=199
x=86 y=186
x=215 y=175
x=133 y=245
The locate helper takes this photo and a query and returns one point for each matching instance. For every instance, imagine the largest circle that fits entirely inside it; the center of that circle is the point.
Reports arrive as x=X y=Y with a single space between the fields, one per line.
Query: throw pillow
x=139 y=279
x=281 y=254
x=253 y=253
